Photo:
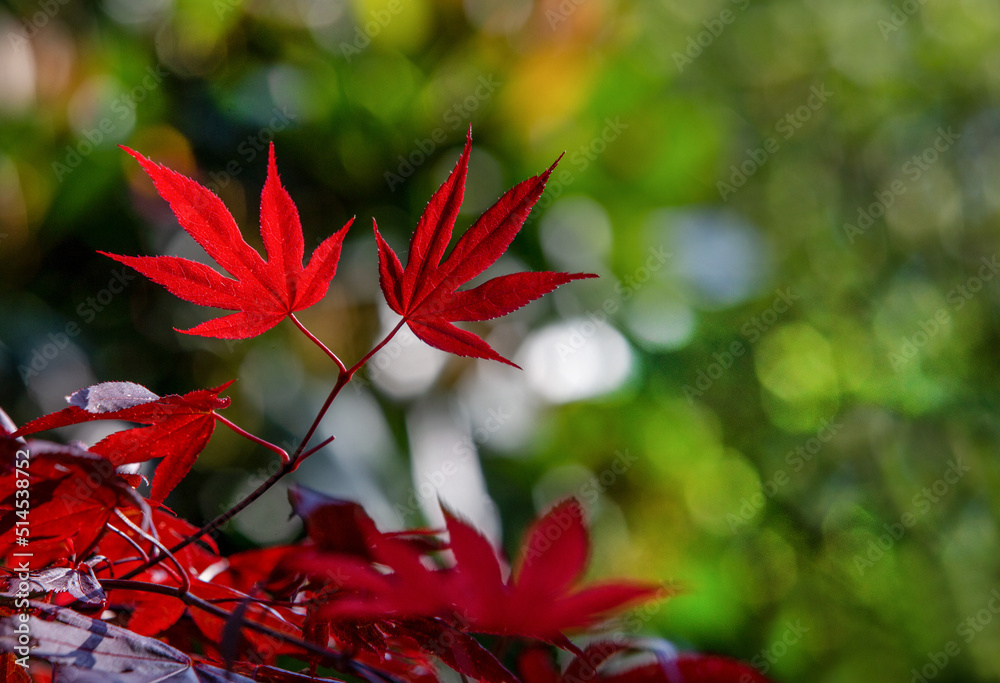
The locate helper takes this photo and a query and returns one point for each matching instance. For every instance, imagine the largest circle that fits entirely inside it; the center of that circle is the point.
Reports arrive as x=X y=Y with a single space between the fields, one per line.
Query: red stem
x=319 y=446
x=343 y=379
x=378 y=347
x=218 y=521
x=256 y=439
x=289 y=465
x=317 y=342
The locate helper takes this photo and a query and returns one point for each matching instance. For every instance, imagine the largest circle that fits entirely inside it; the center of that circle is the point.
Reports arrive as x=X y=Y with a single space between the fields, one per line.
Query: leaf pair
x=425 y=293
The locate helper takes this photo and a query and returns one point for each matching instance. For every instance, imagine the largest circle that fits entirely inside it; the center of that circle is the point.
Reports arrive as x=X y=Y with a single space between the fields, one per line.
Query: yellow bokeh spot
x=394 y=24
x=547 y=89
x=795 y=363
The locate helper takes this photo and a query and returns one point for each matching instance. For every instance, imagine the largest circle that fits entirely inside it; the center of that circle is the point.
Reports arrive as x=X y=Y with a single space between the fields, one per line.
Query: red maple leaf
x=539 y=600
x=264 y=292
x=73 y=494
x=178 y=426
x=425 y=292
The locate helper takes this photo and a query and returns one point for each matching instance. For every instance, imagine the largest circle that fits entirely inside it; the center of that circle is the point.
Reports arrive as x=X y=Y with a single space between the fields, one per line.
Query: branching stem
x=289 y=463
x=315 y=340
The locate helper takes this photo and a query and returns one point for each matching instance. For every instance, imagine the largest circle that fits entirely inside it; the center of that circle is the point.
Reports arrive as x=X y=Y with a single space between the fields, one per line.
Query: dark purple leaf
x=85 y=650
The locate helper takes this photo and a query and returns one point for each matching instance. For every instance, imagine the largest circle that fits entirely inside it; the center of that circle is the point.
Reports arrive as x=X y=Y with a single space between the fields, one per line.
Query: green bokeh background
x=791 y=409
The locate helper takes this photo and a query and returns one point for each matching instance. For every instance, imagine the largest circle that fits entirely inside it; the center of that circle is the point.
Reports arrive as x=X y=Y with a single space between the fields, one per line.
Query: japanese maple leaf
x=73 y=495
x=540 y=600
x=426 y=292
x=178 y=428
x=263 y=292
x=78 y=582
x=343 y=526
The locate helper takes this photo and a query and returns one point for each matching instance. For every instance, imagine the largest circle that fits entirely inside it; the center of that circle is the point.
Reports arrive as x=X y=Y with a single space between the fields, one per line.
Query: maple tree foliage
x=121 y=589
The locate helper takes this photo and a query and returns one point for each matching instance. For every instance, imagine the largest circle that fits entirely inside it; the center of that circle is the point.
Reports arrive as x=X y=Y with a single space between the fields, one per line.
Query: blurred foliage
x=770 y=397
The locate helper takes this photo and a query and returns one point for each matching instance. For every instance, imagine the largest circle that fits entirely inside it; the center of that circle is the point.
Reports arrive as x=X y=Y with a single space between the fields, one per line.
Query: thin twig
x=220 y=520
x=306 y=454
x=129 y=540
x=342 y=380
x=182 y=575
x=317 y=342
x=297 y=457
x=256 y=439
x=378 y=347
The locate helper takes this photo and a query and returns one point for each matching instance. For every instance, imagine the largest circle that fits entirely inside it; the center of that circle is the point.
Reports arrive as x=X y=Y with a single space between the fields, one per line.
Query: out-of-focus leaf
x=85 y=650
